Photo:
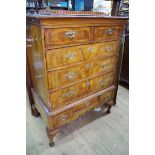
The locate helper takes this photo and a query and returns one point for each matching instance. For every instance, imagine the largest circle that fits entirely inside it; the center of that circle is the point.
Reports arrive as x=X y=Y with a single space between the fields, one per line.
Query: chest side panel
x=36 y=61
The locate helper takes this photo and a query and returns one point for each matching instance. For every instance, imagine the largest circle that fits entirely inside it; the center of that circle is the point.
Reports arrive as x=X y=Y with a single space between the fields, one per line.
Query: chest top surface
x=60 y=19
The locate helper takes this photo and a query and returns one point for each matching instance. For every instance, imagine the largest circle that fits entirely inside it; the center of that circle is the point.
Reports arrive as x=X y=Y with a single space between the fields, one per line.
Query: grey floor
x=92 y=134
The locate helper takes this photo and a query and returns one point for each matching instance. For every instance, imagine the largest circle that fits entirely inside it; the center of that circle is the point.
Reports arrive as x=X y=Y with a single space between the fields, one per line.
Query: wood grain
x=73 y=60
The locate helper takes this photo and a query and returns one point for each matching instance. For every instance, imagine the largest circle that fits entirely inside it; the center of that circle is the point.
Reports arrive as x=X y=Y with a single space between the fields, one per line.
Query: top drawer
x=107 y=33
x=66 y=36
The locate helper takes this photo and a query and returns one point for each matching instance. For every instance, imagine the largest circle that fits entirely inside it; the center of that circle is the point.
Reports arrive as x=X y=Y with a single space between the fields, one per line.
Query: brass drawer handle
x=70 y=34
x=90 y=49
x=63 y=117
x=108 y=49
x=70 y=56
x=109 y=31
x=69 y=94
x=104 y=65
x=102 y=82
x=89 y=65
x=70 y=75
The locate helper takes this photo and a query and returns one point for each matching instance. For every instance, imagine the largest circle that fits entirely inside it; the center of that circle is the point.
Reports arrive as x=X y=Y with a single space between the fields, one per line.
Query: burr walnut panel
x=59 y=37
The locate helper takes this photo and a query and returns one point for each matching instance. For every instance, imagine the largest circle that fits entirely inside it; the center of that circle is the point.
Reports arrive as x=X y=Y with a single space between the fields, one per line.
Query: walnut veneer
x=74 y=65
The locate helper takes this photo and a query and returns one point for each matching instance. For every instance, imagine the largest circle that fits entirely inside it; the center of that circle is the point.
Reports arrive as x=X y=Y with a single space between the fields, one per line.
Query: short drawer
x=107 y=49
x=64 y=56
x=65 y=76
x=94 y=68
x=107 y=33
x=69 y=94
x=70 y=55
x=62 y=77
x=59 y=37
x=101 y=82
x=106 y=97
x=62 y=118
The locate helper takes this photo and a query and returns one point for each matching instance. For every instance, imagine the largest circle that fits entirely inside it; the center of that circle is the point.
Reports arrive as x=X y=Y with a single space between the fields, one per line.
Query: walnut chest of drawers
x=74 y=65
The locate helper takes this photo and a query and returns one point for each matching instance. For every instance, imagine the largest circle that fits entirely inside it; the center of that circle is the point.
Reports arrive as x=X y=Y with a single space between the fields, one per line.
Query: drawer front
x=107 y=33
x=100 y=50
x=67 y=95
x=107 y=49
x=106 y=97
x=83 y=107
x=64 y=56
x=62 y=118
x=101 y=82
x=70 y=55
x=55 y=37
x=100 y=66
x=65 y=76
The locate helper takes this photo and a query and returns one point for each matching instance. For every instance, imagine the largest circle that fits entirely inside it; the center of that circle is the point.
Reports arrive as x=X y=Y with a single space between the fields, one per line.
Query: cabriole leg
x=51 y=135
x=114 y=102
x=34 y=111
x=109 y=106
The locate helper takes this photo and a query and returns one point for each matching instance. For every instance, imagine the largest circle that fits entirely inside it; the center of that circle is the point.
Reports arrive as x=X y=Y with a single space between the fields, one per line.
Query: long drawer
x=61 y=57
x=62 y=77
x=69 y=94
x=80 y=109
